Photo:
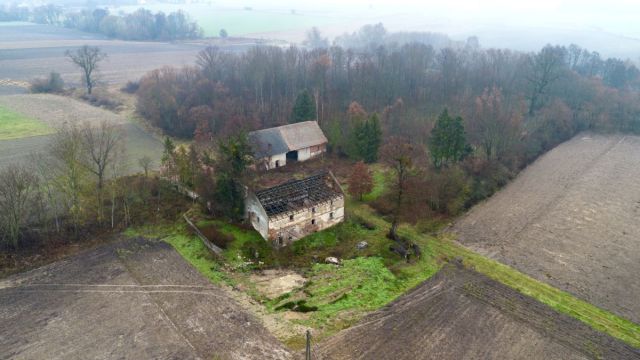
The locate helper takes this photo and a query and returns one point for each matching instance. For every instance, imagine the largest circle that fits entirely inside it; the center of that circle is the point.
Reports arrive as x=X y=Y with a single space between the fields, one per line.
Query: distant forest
x=139 y=25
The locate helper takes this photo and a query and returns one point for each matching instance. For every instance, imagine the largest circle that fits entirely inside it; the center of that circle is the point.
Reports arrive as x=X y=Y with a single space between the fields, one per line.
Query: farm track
x=460 y=314
x=570 y=219
x=133 y=299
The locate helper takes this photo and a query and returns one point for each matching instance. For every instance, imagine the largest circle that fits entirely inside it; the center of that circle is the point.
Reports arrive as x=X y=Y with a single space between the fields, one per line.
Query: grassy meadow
x=15 y=126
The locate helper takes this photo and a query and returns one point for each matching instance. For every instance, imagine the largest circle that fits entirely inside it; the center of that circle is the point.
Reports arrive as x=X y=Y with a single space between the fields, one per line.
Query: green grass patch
x=559 y=300
x=15 y=126
x=380 y=178
x=359 y=285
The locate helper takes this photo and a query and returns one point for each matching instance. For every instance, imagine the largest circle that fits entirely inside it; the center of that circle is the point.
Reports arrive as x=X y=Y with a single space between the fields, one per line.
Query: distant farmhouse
x=277 y=146
x=290 y=211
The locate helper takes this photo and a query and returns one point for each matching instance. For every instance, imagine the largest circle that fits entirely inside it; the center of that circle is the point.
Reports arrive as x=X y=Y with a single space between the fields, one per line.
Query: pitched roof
x=299 y=194
x=282 y=139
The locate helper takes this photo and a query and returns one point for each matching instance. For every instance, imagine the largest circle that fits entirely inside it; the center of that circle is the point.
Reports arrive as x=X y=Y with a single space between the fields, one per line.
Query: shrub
x=51 y=84
x=102 y=101
x=131 y=87
x=217 y=237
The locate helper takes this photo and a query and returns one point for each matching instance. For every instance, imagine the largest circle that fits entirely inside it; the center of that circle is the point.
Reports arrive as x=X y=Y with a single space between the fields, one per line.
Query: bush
x=102 y=101
x=488 y=177
x=131 y=87
x=217 y=237
x=52 y=84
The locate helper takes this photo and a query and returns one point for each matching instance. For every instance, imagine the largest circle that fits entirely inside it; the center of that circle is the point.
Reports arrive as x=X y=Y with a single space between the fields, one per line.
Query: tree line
x=406 y=85
x=80 y=186
x=139 y=25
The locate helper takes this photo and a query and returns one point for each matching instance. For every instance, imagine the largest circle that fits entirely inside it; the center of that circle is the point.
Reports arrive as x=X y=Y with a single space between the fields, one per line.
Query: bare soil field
x=55 y=110
x=460 y=314
x=571 y=219
x=31 y=51
x=136 y=299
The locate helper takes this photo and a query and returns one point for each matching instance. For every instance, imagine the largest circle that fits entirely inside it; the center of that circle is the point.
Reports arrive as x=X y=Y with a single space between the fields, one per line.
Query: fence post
x=308 y=353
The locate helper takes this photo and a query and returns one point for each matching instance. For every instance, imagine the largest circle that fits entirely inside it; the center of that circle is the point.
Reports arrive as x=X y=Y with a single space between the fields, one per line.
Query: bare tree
x=401 y=155
x=87 y=59
x=145 y=163
x=45 y=171
x=100 y=144
x=495 y=126
x=67 y=151
x=315 y=40
x=118 y=188
x=545 y=68
x=210 y=60
x=18 y=192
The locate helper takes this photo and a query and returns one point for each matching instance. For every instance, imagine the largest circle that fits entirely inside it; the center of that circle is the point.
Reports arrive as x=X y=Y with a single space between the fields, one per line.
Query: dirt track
x=571 y=219
x=136 y=300
x=460 y=314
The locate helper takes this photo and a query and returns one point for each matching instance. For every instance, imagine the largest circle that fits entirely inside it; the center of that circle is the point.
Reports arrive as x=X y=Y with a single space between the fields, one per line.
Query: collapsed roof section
x=282 y=139
x=299 y=194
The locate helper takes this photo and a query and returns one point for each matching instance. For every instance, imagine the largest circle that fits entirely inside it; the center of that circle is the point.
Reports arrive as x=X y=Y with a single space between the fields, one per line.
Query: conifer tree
x=448 y=143
x=304 y=108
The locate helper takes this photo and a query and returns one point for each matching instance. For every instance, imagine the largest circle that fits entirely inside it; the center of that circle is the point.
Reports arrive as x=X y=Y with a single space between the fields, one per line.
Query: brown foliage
x=216 y=236
x=494 y=127
x=360 y=181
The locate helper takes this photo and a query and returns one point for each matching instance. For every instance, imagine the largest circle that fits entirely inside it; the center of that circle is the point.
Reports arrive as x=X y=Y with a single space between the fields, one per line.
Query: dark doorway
x=292 y=155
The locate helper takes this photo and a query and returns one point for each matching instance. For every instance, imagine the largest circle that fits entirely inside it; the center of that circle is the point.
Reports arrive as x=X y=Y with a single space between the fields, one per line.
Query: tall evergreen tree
x=374 y=139
x=448 y=143
x=366 y=139
x=234 y=156
x=304 y=108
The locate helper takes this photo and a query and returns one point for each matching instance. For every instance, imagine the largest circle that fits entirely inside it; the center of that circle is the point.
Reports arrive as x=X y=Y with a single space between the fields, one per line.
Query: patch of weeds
x=297 y=306
x=359 y=285
x=593 y=350
x=123 y=253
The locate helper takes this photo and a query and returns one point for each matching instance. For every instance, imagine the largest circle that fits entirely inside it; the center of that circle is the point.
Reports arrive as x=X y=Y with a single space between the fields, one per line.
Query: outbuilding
x=275 y=147
x=285 y=213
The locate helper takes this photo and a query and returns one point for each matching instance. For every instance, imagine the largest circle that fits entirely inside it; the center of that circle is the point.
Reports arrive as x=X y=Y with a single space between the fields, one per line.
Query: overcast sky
x=619 y=16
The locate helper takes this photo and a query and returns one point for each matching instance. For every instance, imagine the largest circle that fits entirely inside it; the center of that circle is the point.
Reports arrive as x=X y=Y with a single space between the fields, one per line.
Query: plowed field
x=131 y=300
x=571 y=219
x=460 y=314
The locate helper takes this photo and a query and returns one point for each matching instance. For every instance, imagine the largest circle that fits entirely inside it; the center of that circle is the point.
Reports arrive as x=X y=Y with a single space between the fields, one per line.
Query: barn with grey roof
x=275 y=147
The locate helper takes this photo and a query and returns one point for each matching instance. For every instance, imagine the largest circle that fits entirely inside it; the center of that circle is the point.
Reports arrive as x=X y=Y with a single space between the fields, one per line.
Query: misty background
x=610 y=27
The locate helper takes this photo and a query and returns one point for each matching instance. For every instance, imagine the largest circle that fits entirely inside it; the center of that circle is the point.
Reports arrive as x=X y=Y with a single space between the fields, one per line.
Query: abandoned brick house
x=290 y=211
x=274 y=147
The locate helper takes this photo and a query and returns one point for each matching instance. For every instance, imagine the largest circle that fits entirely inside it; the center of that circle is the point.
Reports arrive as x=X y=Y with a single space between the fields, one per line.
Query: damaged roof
x=282 y=139
x=299 y=194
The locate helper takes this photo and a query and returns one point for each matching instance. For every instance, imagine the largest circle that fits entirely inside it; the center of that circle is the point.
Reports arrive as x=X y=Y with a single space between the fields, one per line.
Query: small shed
x=285 y=213
x=275 y=147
